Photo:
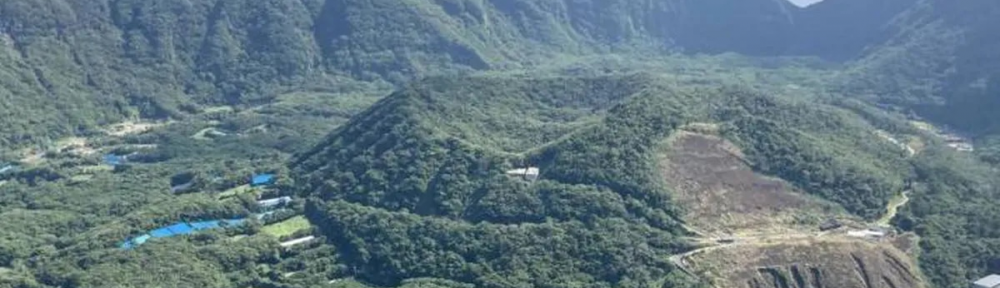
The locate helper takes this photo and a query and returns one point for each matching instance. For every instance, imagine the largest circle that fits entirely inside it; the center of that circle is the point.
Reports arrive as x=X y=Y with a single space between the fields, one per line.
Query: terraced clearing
x=287 y=227
x=760 y=232
x=808 y=262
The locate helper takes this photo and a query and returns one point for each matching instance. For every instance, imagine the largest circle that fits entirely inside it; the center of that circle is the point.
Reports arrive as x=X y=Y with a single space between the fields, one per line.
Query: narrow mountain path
x=894 y=204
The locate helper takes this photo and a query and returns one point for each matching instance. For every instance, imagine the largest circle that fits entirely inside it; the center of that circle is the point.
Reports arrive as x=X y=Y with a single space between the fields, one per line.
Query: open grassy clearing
x=238 y=190
x=81 y=178
x=96 y=168
x=217 y=110
x=287 y=227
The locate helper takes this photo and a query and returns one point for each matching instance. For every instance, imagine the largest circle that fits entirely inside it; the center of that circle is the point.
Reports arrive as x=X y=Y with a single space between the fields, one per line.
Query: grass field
x=287 y=227
x=218 y=109
x=96 y=168
x=237 y=191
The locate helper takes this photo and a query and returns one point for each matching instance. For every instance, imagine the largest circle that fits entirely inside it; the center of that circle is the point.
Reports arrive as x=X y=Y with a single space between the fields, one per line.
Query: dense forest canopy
x=394 y=125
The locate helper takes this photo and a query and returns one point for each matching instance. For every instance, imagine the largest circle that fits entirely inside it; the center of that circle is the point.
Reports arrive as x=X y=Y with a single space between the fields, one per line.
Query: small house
x=262 y=180
x=992 y=281
x=271 y=203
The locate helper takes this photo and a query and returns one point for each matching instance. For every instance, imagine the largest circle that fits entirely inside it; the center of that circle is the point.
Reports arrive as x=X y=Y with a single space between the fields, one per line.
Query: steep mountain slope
x=841 y=30
x=938 y=60
x=416 y=186
x=68 y=65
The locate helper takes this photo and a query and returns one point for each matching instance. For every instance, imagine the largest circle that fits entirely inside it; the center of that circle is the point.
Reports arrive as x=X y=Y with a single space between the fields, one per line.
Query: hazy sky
x=804 y=2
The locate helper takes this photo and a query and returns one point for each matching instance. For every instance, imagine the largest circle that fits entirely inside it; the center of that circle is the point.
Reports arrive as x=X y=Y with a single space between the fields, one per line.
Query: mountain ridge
x=123 y=59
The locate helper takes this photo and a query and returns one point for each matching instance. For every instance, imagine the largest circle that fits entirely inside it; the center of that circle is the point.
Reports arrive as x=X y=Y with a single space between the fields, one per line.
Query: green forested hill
x=416 y=186
x=413 y=193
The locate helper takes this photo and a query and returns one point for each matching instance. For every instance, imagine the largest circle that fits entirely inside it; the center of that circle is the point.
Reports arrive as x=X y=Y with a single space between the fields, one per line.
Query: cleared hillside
x=820 y=263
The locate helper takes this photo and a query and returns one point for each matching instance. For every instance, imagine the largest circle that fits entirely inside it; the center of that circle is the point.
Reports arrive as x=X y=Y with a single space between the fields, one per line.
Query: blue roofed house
x=181 y=228
x=262 y=180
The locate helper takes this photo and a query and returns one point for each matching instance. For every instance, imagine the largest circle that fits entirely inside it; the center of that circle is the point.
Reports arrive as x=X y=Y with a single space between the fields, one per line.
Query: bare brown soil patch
x=821 y=263
x=906 y=242
x=723 y=195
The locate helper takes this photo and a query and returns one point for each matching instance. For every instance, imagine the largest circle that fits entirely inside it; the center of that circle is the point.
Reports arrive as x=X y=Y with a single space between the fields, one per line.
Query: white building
x=274 y=202
x=290 y=243
x=530 y=173
x=992 y=281
x=866 y=233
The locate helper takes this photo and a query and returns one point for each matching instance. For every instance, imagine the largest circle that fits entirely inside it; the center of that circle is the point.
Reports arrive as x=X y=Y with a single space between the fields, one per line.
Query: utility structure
x=992 y=281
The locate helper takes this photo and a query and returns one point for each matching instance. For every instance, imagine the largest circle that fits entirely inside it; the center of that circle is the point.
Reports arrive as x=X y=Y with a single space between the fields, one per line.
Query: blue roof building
x=262 y=180
x=198 y=226
x=181 y=228
x=160 y=233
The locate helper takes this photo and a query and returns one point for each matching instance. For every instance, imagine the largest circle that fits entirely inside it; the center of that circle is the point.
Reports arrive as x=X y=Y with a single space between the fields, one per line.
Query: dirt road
x=715 y=243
